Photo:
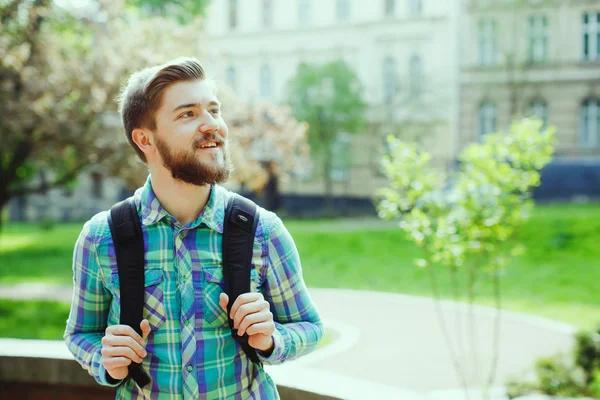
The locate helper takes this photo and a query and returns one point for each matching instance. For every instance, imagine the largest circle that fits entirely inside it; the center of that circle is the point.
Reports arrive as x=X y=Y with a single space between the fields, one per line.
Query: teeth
x=209 y=145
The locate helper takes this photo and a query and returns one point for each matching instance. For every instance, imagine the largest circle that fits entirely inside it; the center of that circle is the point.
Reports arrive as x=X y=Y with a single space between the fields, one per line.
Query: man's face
x=191 y=136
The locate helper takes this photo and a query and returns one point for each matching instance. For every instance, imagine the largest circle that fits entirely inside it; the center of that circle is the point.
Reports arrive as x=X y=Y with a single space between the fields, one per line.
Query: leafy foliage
x=559 y=376
x=329 y=98
x=60 y=72
x=470 y=216
x=33 y=319
x=469 y=221
x=264 y=139
x=183 y=11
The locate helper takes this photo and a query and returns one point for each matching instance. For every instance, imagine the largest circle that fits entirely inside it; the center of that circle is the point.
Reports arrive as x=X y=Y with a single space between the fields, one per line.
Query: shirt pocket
x=154 y=299
x=213 y=286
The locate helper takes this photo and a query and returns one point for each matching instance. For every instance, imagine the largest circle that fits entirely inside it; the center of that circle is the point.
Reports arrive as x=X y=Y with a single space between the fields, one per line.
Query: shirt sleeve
x=297 y=321
x=89 y=309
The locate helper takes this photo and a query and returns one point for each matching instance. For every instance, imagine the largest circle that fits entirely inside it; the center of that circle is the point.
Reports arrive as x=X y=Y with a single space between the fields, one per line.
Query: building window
x=43 y=183
x=487 y=118
x=415 y=7
x=487 y=42
x=233 y=14
x=67 y=192
x=340 y=158
x=590 y=123
x=591 y=36
x=342 y=10
x=416 y=76
x=538 y=38
x=97 y=185
x=304 y=12
x=539 y=109
x=389 y=79
x=231 y=78
x=265 y=80
x=390 y=7
x=267 y=13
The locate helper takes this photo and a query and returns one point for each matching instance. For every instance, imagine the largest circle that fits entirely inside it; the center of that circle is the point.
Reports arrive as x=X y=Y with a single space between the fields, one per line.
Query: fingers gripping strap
x=239 y=229
x=128 y=241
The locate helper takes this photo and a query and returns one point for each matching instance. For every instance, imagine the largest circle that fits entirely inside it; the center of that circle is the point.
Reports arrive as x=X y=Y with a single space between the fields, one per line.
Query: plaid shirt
x=191 y=354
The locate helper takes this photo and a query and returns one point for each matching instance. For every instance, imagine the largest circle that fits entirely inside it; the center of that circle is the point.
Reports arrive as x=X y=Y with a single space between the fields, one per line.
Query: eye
x=215 y=111
x=187 y=114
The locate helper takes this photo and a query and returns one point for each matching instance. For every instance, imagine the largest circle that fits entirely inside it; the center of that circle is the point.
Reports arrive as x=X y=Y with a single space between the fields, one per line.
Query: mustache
x=208 y=138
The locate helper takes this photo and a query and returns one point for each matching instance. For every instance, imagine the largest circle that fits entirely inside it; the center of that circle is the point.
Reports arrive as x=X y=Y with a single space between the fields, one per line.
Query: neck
x=182 y=200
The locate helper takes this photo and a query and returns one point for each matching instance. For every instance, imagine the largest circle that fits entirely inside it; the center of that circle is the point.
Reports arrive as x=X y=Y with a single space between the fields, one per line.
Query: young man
x=172 y=119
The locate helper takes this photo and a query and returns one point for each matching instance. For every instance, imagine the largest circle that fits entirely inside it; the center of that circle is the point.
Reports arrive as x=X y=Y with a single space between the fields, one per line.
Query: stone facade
x=443 y=72
x=404 y=53
x=46 y=370
x=94 y=192
x=533 y=59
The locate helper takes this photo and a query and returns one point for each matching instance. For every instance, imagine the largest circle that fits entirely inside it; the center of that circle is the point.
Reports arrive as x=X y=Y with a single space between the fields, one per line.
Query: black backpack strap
x=239 y=229
x=126 y=231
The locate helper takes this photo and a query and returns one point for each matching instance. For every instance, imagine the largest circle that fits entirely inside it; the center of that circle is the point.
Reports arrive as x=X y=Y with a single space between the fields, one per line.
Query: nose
x=209 y=124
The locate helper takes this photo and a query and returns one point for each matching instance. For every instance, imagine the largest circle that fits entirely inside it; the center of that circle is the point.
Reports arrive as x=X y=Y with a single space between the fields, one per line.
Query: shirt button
x=187 y=321
x=190 y=368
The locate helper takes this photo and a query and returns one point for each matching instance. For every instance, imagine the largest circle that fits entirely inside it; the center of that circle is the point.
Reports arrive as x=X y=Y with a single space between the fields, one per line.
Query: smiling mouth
x=209 y=145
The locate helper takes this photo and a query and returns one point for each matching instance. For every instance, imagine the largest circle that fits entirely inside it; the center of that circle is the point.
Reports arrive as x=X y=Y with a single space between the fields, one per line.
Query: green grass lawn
x=558 y=277
x=33 y=319
x=28 y=253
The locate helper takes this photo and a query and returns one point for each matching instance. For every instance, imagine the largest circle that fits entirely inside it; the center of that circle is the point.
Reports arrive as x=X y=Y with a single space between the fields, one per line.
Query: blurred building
x=441 y=72
x=92 y=193
x=541 y=58
x=403 y=51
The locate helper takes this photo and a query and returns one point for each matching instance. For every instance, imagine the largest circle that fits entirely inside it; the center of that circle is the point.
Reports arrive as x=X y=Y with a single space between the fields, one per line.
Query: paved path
x=392 y=345
x=36 y=291
x=395 y=340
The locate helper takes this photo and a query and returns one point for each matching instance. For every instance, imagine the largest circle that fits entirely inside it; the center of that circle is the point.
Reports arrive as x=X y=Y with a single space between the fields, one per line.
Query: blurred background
x=441 y=73
x=311 y=90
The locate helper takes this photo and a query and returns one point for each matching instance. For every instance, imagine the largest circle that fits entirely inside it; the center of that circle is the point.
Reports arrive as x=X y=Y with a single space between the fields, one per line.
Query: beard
x=186 y=167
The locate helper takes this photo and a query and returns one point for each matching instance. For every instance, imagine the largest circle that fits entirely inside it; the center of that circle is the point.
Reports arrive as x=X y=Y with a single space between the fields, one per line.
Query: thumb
x=223 y=300
x=145 y=325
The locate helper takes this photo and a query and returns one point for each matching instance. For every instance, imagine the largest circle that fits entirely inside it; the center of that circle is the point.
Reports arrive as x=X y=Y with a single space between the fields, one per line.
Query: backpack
x=239 y=228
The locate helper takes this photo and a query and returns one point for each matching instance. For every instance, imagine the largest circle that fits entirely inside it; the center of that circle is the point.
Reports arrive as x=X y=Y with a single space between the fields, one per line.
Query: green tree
x=60 y=71
x=329 y=98
x=267 y=141
x=468 y=223
x=572 y=376
x=184 y=11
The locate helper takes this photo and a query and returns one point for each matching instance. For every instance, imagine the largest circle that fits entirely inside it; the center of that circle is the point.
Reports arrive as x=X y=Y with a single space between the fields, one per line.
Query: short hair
x=142 y=97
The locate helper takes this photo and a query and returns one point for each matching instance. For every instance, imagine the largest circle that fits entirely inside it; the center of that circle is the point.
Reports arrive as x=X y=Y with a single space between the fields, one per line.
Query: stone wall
x=92 y=193
x=38 y=369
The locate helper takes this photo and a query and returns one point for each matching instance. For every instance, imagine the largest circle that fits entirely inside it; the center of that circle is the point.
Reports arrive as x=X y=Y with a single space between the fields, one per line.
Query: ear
x=144 y=140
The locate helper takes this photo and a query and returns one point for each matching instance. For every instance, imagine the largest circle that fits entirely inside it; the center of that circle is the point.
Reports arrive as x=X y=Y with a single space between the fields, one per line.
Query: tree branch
x=9 y=10
x=445 y=332
x=496 y=356
x=472 y=278
x=21 y=153
x=35 y=22
x=462 y=354
x=32 y=30
x=57 y=182
x=63 y=178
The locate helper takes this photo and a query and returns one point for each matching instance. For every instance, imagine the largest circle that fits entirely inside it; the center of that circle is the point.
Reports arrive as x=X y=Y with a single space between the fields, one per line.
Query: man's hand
x=251 y=314
x=120 y=346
